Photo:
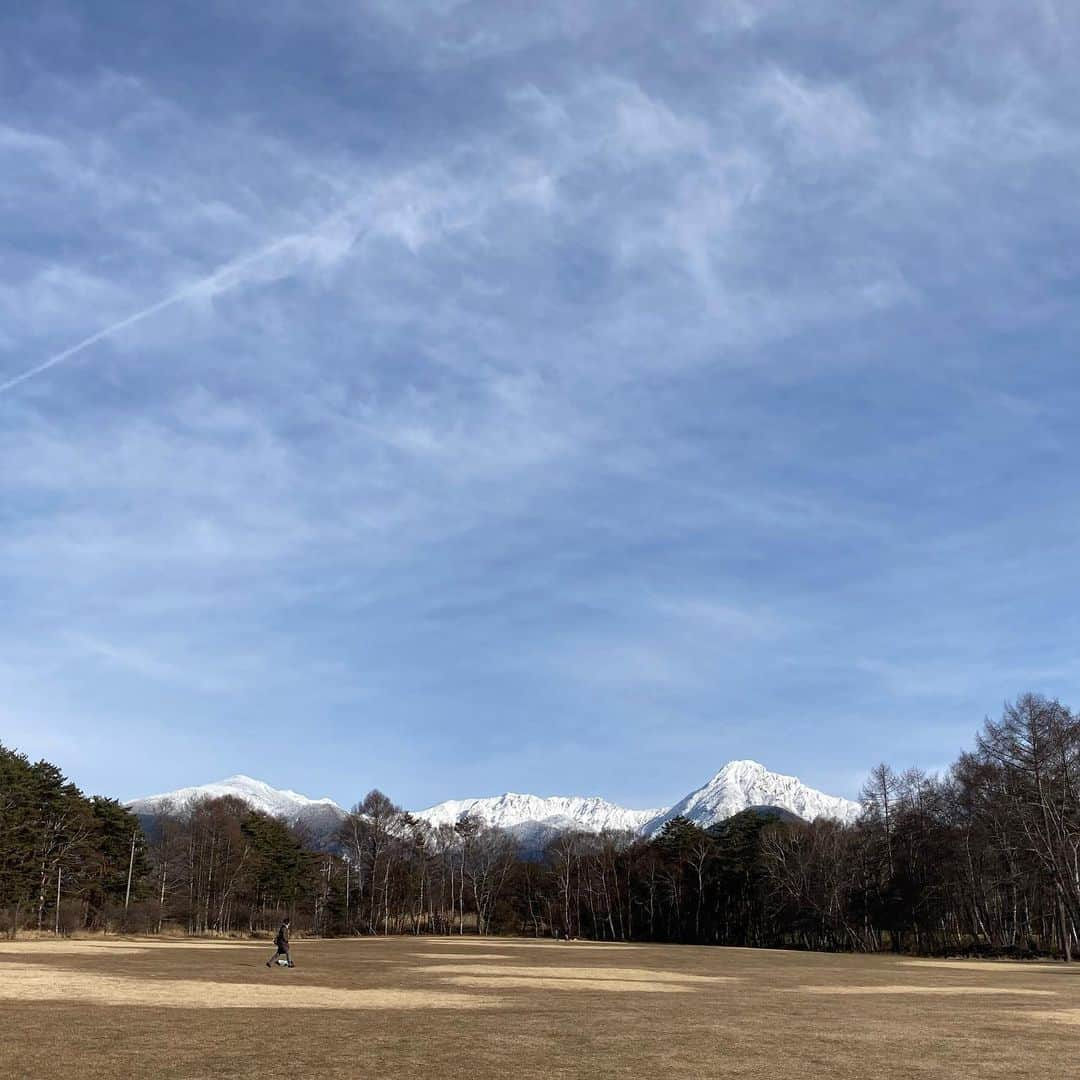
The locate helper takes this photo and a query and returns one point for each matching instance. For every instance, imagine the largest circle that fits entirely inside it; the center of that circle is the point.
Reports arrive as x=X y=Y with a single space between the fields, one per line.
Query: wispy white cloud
x=724 y=621
x=649 y=358
x=821 y=121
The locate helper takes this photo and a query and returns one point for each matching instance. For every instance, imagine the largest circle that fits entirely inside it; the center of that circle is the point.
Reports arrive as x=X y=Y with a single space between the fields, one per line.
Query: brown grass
x=575 y=985
x=1059 y=1016
x=91 y=947
x=906 y=988
x=32 y=982
x=532 y=971
x=471 y=955
x=541 y=943
x=485 y=1010
x=999 y=967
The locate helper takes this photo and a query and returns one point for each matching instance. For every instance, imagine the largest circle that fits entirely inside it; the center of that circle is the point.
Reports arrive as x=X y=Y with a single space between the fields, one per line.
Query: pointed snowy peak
x=740 y=785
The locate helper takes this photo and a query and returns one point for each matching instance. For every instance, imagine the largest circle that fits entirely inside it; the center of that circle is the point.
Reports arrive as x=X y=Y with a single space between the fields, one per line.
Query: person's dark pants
x=282 y=950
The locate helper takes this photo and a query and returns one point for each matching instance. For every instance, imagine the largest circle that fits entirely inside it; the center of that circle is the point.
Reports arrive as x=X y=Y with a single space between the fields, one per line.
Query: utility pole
x=59 y=878
x=131 y=867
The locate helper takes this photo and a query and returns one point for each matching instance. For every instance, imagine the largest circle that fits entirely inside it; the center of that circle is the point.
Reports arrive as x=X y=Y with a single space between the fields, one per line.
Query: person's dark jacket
x=282 y=939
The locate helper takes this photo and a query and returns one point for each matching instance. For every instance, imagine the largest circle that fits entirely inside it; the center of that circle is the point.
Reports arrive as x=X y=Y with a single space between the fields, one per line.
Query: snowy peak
x=742 y=784
x=511 y=811
x=738 y=786
x=256 y=793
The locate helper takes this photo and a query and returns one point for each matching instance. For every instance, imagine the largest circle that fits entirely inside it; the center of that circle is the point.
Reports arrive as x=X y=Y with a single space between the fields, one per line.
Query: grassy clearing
x=487 y=1009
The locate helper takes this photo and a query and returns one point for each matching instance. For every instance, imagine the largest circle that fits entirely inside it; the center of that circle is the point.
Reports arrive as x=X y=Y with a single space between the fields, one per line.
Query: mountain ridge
x=278 y=802
x=512 y=809
x=739 y=785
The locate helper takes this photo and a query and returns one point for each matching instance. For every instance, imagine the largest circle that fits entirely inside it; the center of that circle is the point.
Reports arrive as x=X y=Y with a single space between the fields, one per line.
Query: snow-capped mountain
x=561 y=812
x=259 y=795
x=743 y=784
x=738 y=786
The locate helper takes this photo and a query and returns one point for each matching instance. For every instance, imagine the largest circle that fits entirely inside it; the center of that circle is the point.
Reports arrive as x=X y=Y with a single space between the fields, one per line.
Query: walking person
x=282 y=944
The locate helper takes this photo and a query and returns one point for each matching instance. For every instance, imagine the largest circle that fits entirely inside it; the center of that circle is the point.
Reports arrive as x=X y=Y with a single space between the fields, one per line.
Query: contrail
x=218 y=281
x=60 y=357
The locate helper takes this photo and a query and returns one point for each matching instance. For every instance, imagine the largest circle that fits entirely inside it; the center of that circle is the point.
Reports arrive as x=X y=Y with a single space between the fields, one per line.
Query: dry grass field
x=432 y=1008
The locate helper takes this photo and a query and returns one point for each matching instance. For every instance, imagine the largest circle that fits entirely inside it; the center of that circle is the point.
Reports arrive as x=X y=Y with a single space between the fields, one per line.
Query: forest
x=982 y=860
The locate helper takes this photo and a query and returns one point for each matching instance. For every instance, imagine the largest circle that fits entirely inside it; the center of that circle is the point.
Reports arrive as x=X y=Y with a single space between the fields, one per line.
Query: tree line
x=983 y=859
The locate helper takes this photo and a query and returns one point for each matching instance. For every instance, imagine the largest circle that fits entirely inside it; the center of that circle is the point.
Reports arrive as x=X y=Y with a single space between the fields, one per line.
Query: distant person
x=282 y=944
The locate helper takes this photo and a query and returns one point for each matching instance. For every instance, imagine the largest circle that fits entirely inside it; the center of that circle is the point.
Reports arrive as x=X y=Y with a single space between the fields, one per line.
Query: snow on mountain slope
x=738 y=786
x=742 y=784
x=257 y=794
x=562 y=812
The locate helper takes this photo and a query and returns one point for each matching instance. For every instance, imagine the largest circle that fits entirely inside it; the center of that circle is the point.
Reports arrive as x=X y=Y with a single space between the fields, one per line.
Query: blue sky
x=557 y=398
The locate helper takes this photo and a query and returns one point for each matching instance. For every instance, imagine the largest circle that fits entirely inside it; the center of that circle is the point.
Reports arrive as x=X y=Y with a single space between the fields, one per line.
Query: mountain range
x=738 y=786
